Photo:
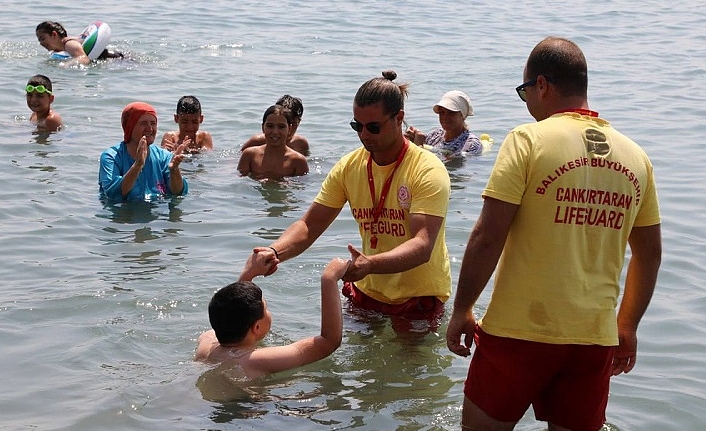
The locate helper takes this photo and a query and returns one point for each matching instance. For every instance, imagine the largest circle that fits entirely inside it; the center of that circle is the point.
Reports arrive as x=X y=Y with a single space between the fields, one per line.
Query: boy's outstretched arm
x=331 y=316
x=311 y=349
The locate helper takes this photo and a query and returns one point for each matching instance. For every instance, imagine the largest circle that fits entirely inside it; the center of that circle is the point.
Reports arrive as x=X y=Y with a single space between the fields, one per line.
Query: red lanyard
x=580 y=111
x=377 y=210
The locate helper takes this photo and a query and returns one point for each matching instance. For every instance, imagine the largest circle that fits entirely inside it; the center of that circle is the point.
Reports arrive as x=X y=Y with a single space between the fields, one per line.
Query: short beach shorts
x=418 y=308
x=566 y=384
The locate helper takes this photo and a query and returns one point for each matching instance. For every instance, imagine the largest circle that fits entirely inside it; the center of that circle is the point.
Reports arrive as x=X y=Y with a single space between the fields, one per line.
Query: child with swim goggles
x=39 y=99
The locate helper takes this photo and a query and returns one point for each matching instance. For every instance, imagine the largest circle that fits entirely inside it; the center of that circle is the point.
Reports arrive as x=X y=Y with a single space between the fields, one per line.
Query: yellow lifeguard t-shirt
x=581 y=186
x=421 y=185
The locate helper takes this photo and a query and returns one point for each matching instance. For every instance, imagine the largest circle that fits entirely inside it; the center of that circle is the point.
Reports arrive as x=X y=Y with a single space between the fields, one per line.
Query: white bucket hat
x=456 y=101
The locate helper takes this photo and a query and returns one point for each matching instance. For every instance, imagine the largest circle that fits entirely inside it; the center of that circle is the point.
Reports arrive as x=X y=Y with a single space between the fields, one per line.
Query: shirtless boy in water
x=274 y=159
x=296 y=142
x=39 y=100
x=189 y=118
x=240 y=319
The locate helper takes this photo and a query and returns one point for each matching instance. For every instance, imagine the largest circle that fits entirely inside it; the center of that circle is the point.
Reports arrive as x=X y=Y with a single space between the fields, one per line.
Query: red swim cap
x=132 y=113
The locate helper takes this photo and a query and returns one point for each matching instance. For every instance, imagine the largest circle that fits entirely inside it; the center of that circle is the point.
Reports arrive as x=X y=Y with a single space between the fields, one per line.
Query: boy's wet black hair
x=294 y=104
x=40 y=80
x=278 y=110
x=188 y=105
x=234 y=309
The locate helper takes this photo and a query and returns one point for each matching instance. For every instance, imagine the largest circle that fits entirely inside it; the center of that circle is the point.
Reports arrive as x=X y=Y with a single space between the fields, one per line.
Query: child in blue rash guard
x=135 y=169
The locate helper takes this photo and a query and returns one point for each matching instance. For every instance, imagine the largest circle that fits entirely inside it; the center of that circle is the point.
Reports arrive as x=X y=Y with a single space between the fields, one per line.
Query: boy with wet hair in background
x=39 y=99
x=296 y=142
x=275 y=159
x=189 y=118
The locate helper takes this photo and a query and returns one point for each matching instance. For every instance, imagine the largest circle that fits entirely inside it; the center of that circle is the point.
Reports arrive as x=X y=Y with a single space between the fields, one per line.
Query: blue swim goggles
x=38 y=88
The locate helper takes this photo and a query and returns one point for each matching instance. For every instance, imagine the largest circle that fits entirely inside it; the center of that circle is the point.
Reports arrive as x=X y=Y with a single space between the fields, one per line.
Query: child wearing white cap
x=453 y=137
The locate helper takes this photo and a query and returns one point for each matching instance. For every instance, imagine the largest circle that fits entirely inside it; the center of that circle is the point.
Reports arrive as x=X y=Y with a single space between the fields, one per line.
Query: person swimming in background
x=296 y=142
x=189 y=118
x=275 y=159
x=453 y=138
x=53 y=37
x=39 y=100
x=240 y=319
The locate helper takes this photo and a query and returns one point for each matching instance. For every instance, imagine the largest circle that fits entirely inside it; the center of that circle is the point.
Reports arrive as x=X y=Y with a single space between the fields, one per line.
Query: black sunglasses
x=522 y=92
x=373 y=128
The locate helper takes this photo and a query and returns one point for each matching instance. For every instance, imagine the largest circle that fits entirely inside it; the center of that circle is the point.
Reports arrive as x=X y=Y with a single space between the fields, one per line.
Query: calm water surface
x=101 y=305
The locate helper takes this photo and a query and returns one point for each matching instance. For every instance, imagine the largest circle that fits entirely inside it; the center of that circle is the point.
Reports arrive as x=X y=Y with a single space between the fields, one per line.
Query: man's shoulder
x=355 y=158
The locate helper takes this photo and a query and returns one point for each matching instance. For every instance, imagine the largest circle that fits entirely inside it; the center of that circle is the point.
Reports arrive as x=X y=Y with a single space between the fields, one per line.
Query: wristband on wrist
x=275 y=251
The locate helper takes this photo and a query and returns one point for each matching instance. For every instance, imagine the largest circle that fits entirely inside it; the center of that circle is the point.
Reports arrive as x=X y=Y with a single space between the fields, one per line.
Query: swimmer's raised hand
x=169 y=141
x=415 y=135
x=187 y=143
x=178 y=156
x=141 y=152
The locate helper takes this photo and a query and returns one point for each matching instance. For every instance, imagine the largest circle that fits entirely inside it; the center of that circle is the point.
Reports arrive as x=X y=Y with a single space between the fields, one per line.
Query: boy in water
x=240 y=319
x=39 y=100
x=274 y=159
x=296 y=142
x=189 y=118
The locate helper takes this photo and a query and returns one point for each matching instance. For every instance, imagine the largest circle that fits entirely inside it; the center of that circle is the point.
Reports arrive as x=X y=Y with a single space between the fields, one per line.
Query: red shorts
x=566 y=384
x=418 y=308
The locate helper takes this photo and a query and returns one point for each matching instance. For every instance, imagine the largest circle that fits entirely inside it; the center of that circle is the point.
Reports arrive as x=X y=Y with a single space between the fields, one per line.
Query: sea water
x=101 y=305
